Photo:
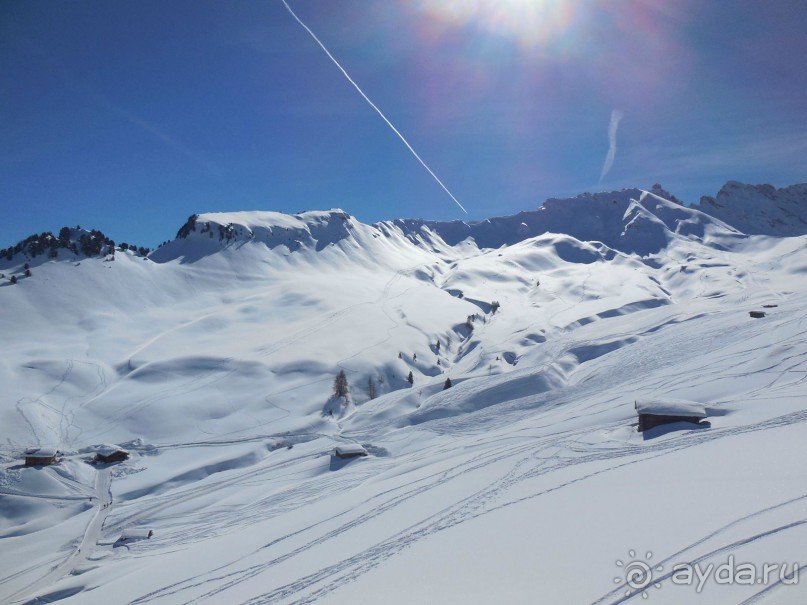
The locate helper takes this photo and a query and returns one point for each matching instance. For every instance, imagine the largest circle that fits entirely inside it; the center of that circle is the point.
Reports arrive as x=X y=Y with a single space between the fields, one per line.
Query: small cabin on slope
x=42 y=456
x=133 y=535
x=349 y=450
x=654 y=412
x=110 y=453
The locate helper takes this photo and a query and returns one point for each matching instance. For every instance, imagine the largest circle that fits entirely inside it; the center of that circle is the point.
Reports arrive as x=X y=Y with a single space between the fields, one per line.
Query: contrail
x=616 y=116
x=373 y=105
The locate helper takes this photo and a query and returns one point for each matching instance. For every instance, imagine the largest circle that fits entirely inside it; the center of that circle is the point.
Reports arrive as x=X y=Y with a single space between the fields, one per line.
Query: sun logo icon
x=638 y=574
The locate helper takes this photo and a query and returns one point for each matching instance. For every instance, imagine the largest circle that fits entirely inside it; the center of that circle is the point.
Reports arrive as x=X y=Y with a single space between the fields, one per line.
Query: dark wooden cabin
x=111 y=453
x=350 y=450
x=132 y=535
x=41 y=457
x=655 y=412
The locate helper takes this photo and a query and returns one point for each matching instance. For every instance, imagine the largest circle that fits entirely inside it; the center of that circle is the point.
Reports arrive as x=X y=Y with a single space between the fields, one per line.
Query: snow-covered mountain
x=213 y=360
x=760 y=209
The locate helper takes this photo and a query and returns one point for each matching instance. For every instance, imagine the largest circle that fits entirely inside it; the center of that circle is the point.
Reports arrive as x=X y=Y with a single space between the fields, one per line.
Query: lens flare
x=531 y=23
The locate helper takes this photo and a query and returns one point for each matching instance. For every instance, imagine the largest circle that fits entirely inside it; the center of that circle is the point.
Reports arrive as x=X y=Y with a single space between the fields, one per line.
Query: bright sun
x=530 y=22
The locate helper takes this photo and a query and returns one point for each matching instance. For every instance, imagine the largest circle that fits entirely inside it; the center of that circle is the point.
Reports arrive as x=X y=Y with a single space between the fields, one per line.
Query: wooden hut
x=110 y=453
x=349 y=450
x=135 y=534
x=653 y=412
x=42 y=456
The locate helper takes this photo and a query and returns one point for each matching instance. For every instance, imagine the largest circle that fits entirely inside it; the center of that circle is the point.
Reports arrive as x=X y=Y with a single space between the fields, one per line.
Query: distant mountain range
x=633 y=221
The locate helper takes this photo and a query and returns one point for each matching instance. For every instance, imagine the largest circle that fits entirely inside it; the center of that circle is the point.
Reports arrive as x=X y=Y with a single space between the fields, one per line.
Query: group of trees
x=141 y=250
x=13 y=279
x=340 y=385
x=77 y=241
x=341 y=388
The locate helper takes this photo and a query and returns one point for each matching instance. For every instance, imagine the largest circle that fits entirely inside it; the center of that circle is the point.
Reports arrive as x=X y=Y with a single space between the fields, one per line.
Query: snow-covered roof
x=350 y=449
x=670 y=407
x=42 y=452
x=136 y=534
x=107 y=449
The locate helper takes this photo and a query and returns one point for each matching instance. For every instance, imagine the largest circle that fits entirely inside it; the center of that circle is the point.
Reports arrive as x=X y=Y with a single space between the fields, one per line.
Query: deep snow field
x=526 y=482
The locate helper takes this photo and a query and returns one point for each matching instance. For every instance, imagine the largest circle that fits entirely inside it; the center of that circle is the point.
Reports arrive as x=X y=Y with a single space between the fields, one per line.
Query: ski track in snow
x=85 y=547
x=529 y=461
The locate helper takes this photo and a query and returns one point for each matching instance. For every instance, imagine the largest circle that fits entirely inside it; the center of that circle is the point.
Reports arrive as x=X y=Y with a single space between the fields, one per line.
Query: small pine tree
x=411 y=378
x=371 y=389
x=438 y=345
x=27 y=273
x=340 y=386
x=13 y=279
x=447 y=384
x=494 y=306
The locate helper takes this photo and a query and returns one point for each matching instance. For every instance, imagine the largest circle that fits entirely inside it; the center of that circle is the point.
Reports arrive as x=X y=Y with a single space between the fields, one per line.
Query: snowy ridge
x=632 y=221
x=306 y=237
x=272 y=229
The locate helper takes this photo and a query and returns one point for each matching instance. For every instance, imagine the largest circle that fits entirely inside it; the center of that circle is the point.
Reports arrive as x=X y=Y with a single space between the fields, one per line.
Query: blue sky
x=129 y=116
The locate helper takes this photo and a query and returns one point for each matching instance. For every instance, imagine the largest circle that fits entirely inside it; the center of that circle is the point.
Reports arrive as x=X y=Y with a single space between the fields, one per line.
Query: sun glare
x=531 y=23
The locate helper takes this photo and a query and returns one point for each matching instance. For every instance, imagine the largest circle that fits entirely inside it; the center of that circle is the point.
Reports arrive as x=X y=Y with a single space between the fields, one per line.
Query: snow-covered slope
x=213 y=362
x=760 y=209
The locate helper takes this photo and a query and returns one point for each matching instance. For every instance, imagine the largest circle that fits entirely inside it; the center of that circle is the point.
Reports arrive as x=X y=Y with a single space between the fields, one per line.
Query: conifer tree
x=340 y=385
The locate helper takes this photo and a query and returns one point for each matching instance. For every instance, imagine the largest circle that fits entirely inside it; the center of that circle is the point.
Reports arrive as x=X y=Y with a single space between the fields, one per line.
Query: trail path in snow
x=79 y=555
